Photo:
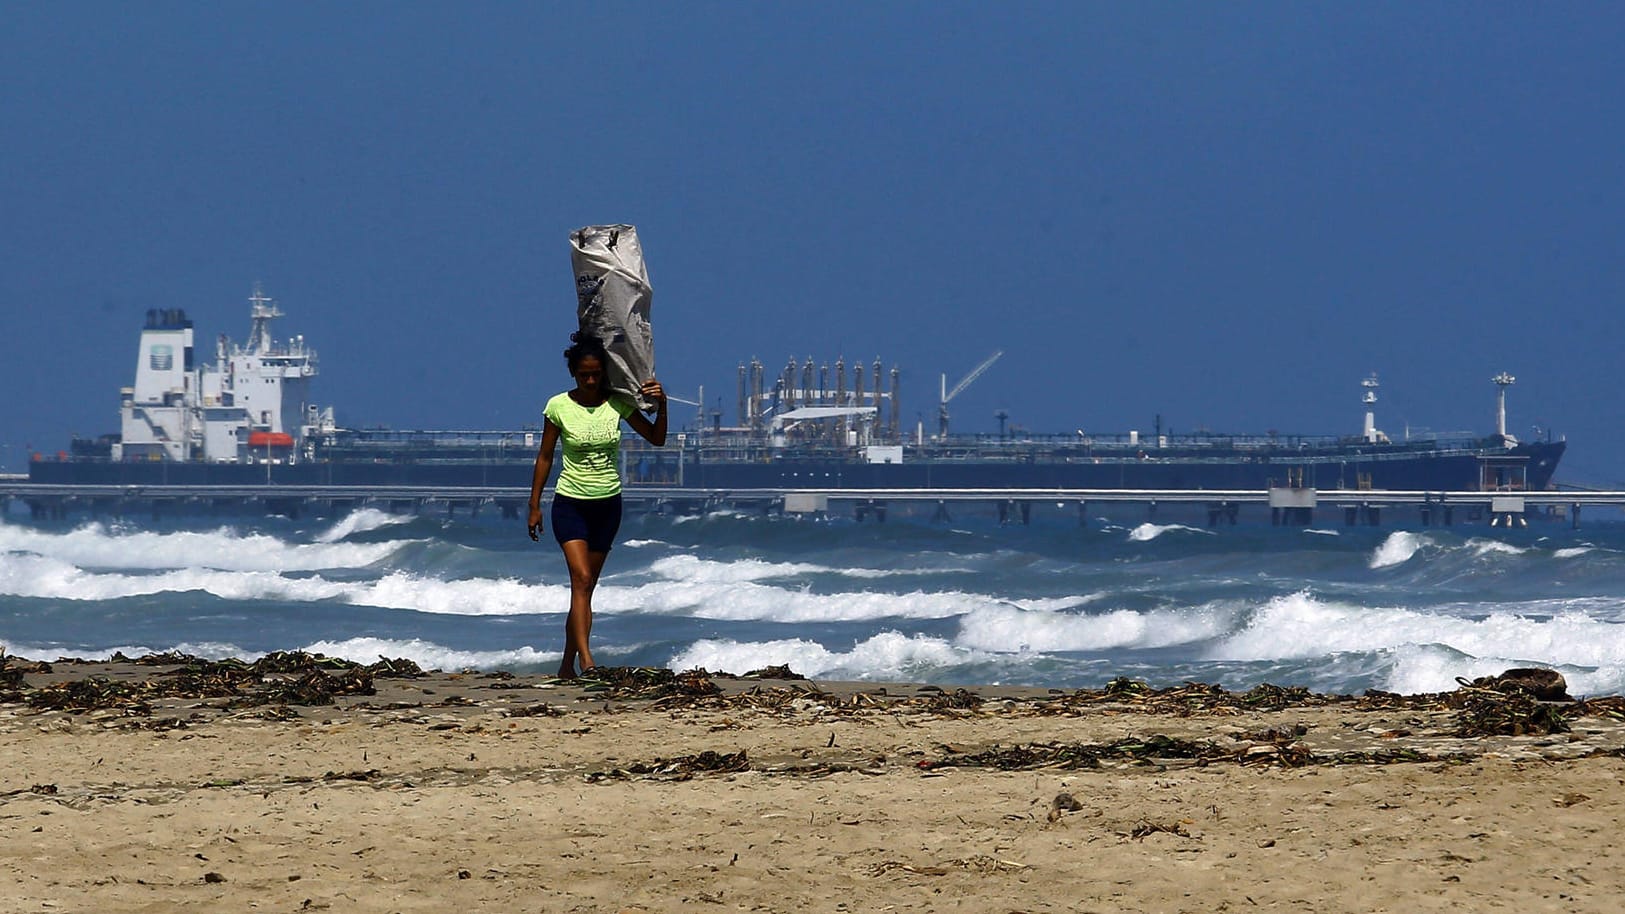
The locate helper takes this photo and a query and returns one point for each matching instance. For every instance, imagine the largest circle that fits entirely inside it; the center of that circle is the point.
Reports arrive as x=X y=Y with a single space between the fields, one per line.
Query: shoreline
x=651 y=793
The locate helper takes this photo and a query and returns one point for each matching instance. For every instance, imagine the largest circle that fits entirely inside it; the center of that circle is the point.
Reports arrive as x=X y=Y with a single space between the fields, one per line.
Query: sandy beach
x=127 y=789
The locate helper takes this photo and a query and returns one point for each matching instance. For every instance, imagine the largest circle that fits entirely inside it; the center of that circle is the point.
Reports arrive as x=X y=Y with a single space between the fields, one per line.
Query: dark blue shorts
x=595 y=520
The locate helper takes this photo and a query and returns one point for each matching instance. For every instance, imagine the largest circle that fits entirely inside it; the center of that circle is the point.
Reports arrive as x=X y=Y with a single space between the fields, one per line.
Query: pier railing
x=1285 y=505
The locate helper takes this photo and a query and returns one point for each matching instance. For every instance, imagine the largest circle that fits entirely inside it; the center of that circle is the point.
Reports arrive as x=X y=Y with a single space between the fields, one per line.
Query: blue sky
x=1227 y=214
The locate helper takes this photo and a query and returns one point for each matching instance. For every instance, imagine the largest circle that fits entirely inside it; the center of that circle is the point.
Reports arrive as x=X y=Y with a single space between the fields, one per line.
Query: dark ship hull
x=504 y=460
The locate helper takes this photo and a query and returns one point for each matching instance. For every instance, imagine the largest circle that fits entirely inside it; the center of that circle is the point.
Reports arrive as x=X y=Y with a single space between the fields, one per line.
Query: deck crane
x=698 y=404
x=942 y=407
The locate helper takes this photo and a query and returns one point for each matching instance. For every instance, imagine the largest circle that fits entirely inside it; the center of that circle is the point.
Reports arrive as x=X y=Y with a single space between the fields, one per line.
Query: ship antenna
x=1502 y=381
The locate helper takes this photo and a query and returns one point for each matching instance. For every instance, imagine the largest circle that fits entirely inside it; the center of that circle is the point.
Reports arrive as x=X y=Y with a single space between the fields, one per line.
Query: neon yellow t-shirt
x=592 y=444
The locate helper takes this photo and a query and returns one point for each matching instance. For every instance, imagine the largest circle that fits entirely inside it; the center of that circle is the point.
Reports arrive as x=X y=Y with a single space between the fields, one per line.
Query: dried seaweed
x=1267 y=697
x=625 y=683
x=1488 y=712
x=943 y=702
x=89 y=694
x=276 y=679
x=315 y=687
x=166 y=658
x=1146 y=829
x=541 y=709
x=401 y=668
x=1186 y=700
x=10 y=677
x=1081 y=755
x=298 y=678
x=680 y=768
x=1612 y=706
x=782 y=671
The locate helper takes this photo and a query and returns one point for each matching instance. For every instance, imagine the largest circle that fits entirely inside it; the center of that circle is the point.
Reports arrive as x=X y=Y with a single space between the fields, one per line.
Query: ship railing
x=764 y=453
x=985 y=446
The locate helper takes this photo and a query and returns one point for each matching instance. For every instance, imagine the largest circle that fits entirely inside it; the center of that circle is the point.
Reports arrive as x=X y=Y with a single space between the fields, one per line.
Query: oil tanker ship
x=247 y=418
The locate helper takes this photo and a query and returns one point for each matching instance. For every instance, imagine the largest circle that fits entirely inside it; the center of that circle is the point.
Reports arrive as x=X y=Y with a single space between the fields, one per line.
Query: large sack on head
x=612 y=303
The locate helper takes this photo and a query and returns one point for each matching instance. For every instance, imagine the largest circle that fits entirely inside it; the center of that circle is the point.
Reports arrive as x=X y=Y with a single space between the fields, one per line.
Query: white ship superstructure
x=251 y=405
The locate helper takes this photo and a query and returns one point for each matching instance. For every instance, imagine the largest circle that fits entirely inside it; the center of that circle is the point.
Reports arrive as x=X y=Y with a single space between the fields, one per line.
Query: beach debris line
x=1026 y=756
x=626 y=683
x=1161 y=750
x=981 y=863
x=782 y=671
x=1145 y=829
x=1198 y=697
x=681 y=768
x=278 y=678
x=1506 y=705
x=539 y=709
x=1491 y=712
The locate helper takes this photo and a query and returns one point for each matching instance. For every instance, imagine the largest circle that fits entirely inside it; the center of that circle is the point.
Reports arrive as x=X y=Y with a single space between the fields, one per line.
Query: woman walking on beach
x=587 y=499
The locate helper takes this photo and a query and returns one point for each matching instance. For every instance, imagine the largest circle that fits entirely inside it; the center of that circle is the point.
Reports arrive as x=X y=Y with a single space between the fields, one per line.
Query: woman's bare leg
x=585 y=567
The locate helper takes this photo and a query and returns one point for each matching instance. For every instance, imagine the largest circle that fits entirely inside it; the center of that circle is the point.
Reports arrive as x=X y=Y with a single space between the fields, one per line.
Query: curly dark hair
x=582 y=345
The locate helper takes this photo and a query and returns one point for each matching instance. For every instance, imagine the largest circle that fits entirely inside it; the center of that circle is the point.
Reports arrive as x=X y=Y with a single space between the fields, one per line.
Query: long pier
x=1286 y=506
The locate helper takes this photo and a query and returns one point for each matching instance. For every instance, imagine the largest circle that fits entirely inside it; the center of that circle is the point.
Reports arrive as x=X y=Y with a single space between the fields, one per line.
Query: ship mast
x=1502 y=381
x=264 y=310
x=1371 y=435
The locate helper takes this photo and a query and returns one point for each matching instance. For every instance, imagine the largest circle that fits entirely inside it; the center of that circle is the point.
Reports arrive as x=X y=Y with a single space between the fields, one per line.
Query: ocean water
x=1051 y=604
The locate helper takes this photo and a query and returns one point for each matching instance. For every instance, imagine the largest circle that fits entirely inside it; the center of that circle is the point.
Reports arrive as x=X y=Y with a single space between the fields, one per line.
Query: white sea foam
x=1398 y=548
x=39 y=576
x=735 y=600
x=208 y=650
x=751 y=602
x=1429 y=668
x=1144 y=533
x=639 y=544
x=431 y=656
x=426 y=654
x=473 y=597
x=1301 y=626
x=719 y=514
x=360 y=521
x=886 y=656
x=693 y=568
x=34 y=651
x=993 y=628
x=1316 y=532
x=1482 y=547
x=94 y=546
x=1009 y=629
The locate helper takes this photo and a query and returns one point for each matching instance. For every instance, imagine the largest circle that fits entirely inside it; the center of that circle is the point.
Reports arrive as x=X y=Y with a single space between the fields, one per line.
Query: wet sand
x=480 y=793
